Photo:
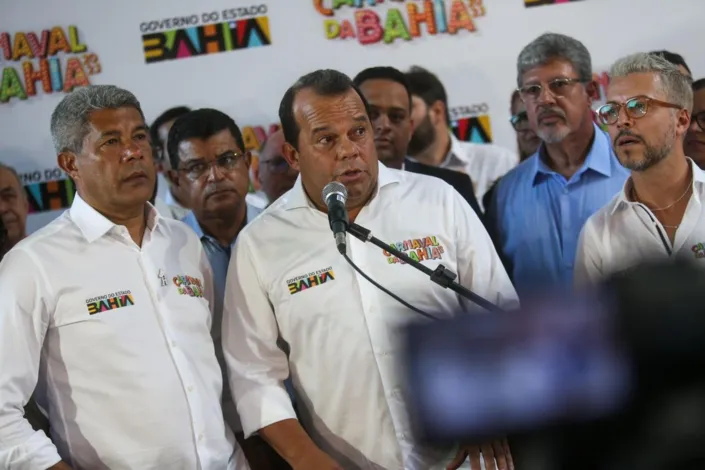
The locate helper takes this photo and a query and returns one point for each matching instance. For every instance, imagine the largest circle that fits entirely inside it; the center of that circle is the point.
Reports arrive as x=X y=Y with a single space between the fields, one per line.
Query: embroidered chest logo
x=187 y=285
x=107 y=302
x=699 y=250
x=418 y=249
x=312 y=279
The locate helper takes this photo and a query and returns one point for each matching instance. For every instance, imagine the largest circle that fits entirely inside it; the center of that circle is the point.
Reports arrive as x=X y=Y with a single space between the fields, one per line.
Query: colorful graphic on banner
x=56 y=58
x=371 y=26
x=536 y=3
x=213 y=32
x=471 y=123
x=600 y=95
x=50 y=195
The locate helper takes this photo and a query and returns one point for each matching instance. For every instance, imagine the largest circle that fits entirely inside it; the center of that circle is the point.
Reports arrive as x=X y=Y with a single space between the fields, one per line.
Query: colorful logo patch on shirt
x=113 y=301
x=312 y=279
x=699 y=250
x=418 y=249
x=187 y=285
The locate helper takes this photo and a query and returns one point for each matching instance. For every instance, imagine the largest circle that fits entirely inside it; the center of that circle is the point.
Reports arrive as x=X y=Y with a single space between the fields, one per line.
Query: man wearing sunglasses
x=527 y=140
x=660 y=212
x=209 y=165
x=695 y=138
x=540 y=206
x=274 y=174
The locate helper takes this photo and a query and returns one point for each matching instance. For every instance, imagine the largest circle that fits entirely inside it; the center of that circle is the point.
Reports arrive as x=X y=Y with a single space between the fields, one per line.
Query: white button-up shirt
x=288 y=285
x=117 y=340
x=484 y=163
x=625 y=233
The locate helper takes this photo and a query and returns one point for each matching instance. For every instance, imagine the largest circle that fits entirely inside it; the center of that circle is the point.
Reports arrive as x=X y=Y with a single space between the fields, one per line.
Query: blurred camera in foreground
x=611 y=378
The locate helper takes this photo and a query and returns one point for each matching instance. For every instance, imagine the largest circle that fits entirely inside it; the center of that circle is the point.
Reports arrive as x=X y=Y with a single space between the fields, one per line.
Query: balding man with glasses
x=540 y=206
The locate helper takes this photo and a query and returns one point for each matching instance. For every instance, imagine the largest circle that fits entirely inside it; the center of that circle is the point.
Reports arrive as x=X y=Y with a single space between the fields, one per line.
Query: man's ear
x=67 y=162
x=291 y=155
x=593 y=91
x=683 y=122
x=411 y=128
x=173 y=177
x=438 y=113
x=248 y=158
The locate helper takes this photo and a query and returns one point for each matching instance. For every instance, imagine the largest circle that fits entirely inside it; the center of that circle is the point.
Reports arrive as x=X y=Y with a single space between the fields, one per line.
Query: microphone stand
x=442 y=276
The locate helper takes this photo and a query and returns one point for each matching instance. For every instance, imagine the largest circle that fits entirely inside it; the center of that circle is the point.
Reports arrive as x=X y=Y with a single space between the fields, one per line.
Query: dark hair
x=428 y=87
x=324 y=82
x=168 y=115
x=384 y=73
x=672 y=57
x=200 y=124
x=699 y=84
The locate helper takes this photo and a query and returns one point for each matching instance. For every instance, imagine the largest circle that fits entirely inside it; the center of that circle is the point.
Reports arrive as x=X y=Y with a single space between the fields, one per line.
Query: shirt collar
x=94 y=225
x=599 y=158
x=191 y=221
x=456 y=152
x=297 y=198
x=623 y=197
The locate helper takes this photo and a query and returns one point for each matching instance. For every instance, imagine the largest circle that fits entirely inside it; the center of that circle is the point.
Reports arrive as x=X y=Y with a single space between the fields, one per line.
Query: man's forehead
x=312 y=107
x=273 y=145
x=8 y=179
x=635 y=84
x=552 y=69
x=214 y=145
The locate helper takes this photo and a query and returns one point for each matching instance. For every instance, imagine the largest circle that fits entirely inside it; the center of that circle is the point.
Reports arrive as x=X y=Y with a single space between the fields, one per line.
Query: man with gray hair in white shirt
x=660 y=213
x=294 y=306
x=107 y=311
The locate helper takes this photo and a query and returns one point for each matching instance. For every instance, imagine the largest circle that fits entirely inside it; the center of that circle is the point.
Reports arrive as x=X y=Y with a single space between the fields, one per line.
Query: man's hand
x=492 y=451
x=315 y=459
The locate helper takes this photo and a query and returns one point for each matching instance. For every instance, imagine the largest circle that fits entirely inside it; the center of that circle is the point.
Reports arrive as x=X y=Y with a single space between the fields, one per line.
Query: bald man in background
x=273 y=173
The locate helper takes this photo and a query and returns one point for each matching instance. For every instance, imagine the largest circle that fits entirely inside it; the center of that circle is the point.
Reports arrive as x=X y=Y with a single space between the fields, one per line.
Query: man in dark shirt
x=387 y=91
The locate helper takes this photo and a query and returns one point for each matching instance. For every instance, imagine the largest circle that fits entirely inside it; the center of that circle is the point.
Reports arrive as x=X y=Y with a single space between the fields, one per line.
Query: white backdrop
x=478 y=68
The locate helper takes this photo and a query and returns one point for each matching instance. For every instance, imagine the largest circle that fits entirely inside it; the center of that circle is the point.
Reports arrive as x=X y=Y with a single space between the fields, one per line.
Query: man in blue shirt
x=210 y=165
x=540 y=206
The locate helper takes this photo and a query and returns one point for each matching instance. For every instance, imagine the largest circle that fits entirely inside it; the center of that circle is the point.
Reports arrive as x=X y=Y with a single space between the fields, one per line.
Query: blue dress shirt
x=537 y=214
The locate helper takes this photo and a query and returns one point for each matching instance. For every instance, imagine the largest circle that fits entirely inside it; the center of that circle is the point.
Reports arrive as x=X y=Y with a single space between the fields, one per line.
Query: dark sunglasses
x=635 y=107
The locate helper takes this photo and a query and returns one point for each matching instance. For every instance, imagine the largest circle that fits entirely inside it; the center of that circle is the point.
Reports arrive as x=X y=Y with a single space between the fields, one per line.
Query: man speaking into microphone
x=294 y=306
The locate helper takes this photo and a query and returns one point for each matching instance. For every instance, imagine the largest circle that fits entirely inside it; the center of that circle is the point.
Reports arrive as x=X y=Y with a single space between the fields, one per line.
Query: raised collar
x=191 y=220
x=599 y=158
x=94 y=225
x=623 y=198
x=296 y=198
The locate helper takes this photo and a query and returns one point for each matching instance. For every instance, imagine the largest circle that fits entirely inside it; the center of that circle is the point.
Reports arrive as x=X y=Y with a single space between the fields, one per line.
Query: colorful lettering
x=312 y=280
x=110 y=303
x=418 y=249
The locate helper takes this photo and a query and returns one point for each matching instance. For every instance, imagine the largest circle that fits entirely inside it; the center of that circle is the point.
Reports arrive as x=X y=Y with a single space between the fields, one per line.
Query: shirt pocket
x=75 y=306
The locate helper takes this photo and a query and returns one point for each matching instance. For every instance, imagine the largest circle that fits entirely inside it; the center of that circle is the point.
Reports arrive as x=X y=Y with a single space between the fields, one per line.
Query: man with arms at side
x=106 y=311
x=273 y=172
x=386 y=90
x=695 y=138
x=660 y=213
x=210 y=166
x=540 y=206
x=170 y=201
x=294 y=306
x=433 y=142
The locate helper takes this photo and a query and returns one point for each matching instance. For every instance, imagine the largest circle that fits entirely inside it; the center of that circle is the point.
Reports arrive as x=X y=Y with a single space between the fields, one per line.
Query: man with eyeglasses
x=660 y=213
x=274 y=174
x=695 y=138
x=540 y=206
x=209 y=164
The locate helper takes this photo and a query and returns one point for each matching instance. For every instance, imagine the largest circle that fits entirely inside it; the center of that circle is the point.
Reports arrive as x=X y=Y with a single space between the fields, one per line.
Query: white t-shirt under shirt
x=625 y=233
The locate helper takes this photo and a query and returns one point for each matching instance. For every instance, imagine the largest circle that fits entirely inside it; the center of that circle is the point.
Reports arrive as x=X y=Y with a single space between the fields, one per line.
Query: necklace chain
x=658 y=209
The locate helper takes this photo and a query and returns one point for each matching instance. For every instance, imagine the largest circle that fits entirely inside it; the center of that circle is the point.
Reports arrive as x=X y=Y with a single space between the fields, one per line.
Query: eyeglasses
x=277 y=165
x=558 y=87
x=519 y=120
x=225 y=163
x=700 y=119
x=635 y=107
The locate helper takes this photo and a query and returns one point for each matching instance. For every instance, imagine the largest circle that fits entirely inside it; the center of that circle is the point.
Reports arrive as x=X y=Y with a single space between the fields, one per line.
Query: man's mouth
x=137 y=176
x=627 y=140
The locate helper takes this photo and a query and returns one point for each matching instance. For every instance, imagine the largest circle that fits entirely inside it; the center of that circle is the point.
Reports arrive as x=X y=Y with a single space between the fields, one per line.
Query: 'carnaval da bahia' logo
x=407 y=22
x=54 y=60
x=211 y=32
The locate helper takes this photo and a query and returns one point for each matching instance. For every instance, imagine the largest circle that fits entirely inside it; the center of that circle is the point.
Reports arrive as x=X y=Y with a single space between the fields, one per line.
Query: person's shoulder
x=178 y=231
x=600 y=220
x=41 y=246
x=490 y=150
x=423 y=185
x=520 y=173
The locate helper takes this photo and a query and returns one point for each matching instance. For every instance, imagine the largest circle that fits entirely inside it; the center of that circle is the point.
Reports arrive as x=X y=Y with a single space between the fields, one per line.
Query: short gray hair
x=70 y=119
x=552 y=46
x=677 y=87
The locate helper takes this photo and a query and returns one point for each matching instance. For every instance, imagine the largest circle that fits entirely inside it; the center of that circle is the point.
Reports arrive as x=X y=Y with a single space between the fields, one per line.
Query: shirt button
x=200 y=437
x=189 y=388
x=173 y=344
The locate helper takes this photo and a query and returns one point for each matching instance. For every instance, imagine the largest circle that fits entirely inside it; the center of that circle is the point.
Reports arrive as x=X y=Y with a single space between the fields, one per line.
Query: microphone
x=334 y=196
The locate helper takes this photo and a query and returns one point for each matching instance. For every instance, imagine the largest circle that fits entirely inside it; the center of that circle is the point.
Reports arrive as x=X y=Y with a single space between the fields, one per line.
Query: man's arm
x=480 y=268
x=24 y=319
x=257 y=367
x=588 y=262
